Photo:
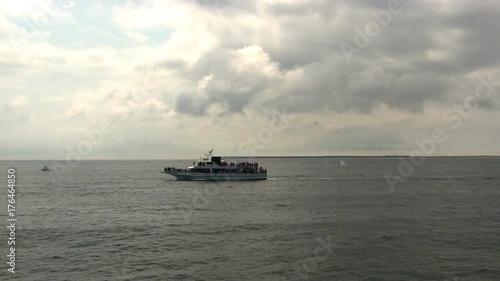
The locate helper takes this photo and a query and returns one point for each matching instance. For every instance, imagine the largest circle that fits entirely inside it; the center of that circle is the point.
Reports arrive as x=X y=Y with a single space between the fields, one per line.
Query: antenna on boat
x=208 y=155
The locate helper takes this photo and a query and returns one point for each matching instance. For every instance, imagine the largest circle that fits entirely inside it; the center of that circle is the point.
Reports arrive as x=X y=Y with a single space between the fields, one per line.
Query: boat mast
x=208 y=155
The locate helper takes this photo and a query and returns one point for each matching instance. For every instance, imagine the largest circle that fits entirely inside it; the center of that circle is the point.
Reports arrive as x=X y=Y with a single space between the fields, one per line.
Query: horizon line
x=269 y=156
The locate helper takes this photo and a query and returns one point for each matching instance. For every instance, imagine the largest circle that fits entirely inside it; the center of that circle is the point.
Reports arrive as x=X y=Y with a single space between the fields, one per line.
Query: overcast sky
x=169 y=79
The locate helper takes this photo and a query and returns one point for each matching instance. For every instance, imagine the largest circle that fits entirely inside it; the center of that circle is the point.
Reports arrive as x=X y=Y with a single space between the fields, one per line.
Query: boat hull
x=187 y=176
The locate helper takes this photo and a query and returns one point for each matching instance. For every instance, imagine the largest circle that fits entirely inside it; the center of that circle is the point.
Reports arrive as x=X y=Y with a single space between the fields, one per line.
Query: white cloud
x=18 y=101
x=137 y=36
x=51 y=99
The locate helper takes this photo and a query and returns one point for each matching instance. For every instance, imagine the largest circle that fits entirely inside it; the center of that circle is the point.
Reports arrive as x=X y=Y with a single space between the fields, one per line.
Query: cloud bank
x=354 y=77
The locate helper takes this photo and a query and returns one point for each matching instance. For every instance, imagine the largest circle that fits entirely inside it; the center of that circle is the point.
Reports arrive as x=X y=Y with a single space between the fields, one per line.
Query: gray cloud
x=225 y=86
x=394 y=69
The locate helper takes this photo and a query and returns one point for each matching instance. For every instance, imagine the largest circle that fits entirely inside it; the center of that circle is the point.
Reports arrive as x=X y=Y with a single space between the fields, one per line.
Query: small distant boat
x=341 y=163
x=45 y=169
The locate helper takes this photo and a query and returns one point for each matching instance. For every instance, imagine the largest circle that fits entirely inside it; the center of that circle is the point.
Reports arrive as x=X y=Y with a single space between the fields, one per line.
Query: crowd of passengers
x=231 y=164
x=243 y=167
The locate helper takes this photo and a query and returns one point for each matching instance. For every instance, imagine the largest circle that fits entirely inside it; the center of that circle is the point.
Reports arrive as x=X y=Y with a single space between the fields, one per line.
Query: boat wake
x=322 y=178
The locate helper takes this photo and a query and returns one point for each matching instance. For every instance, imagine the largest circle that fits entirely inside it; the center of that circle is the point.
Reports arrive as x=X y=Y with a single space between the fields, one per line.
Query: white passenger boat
x=215 y=168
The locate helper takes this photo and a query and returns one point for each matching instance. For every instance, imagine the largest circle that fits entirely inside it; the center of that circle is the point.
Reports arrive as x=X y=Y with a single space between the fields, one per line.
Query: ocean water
x=311 y=220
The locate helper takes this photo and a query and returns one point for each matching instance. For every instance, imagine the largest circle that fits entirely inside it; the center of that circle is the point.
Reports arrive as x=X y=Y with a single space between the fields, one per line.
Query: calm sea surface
x=311 y=220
